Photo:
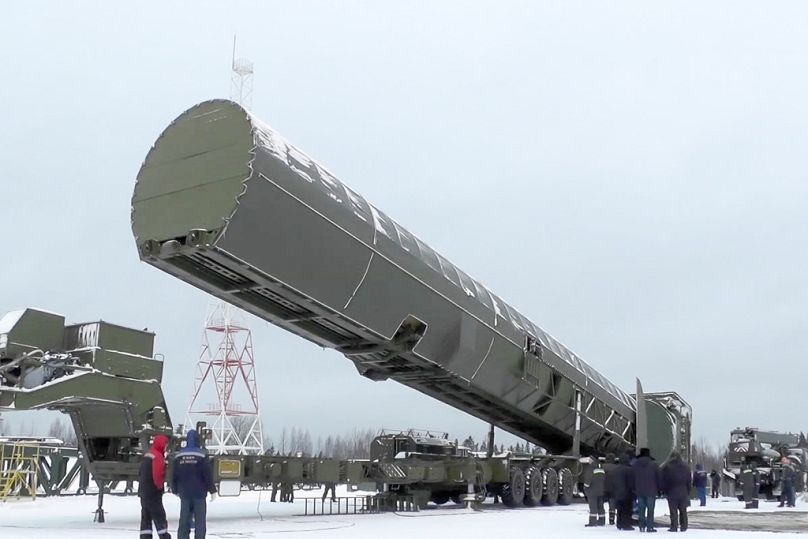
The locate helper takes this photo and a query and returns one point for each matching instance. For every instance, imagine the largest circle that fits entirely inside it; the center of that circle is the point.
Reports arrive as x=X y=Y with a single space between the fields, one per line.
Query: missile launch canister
x=226 y=204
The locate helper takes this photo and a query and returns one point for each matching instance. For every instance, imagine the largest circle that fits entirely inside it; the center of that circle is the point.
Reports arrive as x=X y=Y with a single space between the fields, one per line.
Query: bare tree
x=708 y=456
x=242 y=424
x=63 y=430
x=284 y=441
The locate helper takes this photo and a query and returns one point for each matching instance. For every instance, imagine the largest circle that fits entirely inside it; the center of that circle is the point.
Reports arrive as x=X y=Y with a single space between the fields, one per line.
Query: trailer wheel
x=566 y=482
x=513 y=492
x=457 y=498
x=550 y=486
x=440 y=498
x=533 y=486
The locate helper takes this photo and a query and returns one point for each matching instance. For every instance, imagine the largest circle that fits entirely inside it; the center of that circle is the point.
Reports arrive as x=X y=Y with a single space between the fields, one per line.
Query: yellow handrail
x=19 y=473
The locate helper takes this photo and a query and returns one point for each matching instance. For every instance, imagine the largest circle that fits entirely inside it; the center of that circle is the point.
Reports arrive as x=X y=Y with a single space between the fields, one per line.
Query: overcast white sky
x=629 y=175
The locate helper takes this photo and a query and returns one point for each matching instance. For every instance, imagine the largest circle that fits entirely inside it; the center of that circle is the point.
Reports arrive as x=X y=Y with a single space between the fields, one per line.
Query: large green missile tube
x=224 y=203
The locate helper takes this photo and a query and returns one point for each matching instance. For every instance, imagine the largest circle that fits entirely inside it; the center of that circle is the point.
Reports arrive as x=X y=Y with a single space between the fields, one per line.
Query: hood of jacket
x=192 y=439
x=160 y=443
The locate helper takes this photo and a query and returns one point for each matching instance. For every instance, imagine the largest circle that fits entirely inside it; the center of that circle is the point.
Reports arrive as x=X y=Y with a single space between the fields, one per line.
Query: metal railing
x=353 y=505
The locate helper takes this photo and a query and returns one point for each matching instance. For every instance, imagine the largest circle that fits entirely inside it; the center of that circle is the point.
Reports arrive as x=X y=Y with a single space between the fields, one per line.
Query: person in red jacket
x=151 y=485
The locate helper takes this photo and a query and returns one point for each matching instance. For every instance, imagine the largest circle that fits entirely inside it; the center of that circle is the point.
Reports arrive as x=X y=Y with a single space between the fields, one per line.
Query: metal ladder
x=19 y=470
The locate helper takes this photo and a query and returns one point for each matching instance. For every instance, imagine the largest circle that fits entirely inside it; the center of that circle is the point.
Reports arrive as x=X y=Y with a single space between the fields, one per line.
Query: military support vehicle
x=765 y=449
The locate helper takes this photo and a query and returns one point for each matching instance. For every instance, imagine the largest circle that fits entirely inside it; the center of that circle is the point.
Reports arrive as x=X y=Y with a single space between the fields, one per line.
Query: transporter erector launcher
x=225 y=203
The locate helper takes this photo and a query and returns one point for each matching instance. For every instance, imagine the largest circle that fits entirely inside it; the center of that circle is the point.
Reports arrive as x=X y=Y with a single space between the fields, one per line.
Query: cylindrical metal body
x=226 y=204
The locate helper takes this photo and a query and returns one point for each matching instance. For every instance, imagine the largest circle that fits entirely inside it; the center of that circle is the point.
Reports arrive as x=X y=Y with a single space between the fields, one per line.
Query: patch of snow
x=252 y=515
x=9 y=320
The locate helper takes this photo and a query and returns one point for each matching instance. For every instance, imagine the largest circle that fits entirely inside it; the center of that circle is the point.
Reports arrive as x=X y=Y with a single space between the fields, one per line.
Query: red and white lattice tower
x=225 y=393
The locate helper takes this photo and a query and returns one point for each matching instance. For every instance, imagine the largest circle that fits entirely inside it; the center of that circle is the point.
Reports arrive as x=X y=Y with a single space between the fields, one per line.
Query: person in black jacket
x=594 y=489
x=609 y=467
x=150 y=488
x=750 y=485
x=647 y=479
x=676 y=484
x=192 y=480
x=715 y=482
x=622 y=486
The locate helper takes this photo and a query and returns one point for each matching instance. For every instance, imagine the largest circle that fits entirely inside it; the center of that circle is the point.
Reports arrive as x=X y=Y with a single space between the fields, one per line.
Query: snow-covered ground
x=245 y=517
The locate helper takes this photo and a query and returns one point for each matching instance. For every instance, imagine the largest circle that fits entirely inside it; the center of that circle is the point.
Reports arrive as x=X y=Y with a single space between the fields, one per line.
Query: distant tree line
x=518 y=447
x=354 y=444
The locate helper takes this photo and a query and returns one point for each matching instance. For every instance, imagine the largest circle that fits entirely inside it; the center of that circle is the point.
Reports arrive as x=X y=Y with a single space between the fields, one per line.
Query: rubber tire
x=534 y=486
x=566 y=490
x=440 y=498
x=513 y=492
x=550 y=486
x=457 y=498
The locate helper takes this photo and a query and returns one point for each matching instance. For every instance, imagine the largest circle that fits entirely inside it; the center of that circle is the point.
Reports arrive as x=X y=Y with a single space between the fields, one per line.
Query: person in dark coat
x=623 y=491
x=647 y=484
x=192 y=480
x=789 y=474
x=750 y=485
x=287 y=492
x=609 y=466
x=594 y=489
x=715 y=482
x=700 y=482
x=330 y=486
x=151 y=485
x=676 y=484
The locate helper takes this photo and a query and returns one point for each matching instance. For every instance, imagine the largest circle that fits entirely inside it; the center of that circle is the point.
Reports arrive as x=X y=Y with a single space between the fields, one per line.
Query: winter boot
x=601 y=520
x=593 y=521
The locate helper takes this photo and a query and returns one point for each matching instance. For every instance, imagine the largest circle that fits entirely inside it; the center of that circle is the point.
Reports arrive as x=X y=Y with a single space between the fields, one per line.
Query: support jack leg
x=99 y=513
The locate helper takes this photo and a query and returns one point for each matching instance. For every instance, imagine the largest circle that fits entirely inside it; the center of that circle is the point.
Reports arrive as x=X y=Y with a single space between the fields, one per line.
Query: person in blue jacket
x=192 y=480
x=700 y=482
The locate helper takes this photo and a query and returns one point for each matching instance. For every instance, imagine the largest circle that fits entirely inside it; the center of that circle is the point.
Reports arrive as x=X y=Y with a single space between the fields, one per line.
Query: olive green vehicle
x=224 y=203
x=107 y=379
x=104 y=376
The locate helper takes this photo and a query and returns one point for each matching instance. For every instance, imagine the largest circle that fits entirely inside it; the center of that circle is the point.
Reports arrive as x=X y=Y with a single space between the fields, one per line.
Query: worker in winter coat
x=750 y=485
x=332 y=487
x=595 y=490
x=647 y=484
x=700 y=482
x=676 y=484
x=609 y=466
x=789 y=474
x=287 y=492
x=151 y=485
x=192 y=480
x=622 y=486
x=715 y=482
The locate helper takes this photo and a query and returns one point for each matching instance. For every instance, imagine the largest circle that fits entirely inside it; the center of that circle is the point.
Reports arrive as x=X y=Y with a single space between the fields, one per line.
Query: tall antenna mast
x=241 y=79
x=225 y=378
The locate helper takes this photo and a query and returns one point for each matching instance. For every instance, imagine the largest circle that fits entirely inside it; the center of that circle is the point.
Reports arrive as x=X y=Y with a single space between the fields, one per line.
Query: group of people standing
x=750 y=484
x=287 y=492
x=620 y=482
